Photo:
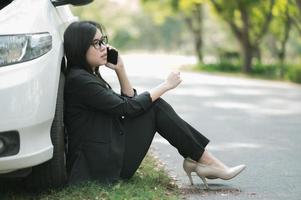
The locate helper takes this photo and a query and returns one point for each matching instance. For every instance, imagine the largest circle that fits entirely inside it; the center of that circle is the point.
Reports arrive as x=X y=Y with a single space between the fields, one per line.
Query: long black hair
x=77 y=39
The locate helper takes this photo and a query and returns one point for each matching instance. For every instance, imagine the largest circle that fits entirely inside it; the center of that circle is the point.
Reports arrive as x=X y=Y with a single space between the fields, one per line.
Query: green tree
x=297 y=16
x=130 y=28
x=190 y=10
x=249 y=21
x=284 y=12
x=298 y=2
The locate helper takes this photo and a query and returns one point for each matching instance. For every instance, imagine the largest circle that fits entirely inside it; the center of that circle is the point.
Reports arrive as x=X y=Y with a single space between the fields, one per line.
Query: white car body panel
x=28 y=90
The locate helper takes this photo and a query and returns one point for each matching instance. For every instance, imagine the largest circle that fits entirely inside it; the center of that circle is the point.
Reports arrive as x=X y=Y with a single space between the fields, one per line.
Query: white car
x=32 y=140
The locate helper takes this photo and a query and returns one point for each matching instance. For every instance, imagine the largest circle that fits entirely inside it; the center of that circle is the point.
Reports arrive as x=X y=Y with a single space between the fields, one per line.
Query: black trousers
x=160 y=118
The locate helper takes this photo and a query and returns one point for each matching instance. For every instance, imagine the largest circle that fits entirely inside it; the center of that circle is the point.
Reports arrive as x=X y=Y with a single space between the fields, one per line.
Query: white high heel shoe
x=209 y=171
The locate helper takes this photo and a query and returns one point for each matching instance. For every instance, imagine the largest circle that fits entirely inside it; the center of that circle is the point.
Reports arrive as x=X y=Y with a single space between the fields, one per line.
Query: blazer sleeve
x=124 y=95
x=95 y=95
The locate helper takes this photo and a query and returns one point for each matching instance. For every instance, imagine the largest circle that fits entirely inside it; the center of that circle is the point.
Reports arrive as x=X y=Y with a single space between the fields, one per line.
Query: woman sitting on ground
x=109 y=134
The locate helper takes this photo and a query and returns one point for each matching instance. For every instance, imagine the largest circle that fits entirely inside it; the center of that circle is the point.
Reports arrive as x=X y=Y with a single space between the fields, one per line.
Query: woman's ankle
x=208 y=159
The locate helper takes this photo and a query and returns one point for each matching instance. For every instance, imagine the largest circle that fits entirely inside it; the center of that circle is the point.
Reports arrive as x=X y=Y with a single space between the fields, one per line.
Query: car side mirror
x=72 y=2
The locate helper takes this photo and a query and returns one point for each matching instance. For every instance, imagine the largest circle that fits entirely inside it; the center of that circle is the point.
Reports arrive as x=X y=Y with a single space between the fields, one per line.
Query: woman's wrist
x=120 y=71
x=119 y=65
x=158 y=91
x=165 y=86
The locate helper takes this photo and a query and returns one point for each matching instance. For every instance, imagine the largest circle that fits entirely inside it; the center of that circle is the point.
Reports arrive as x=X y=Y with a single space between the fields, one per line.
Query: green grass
x=259 y=71
x=149 y=182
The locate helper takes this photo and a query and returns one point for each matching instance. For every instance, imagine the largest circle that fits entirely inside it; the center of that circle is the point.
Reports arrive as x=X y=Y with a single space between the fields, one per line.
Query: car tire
x=52 y=174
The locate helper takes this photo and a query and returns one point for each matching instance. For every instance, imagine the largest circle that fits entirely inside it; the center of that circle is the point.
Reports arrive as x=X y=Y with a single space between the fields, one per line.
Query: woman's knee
x=162 y=104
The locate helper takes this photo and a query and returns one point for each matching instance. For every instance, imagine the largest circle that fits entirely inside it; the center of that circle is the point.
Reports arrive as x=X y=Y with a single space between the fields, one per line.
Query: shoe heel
x=189 y=176
x=205 y=182
x=189 y=167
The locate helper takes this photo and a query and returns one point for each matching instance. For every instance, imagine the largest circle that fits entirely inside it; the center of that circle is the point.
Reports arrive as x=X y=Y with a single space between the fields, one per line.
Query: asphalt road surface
x=249 y=121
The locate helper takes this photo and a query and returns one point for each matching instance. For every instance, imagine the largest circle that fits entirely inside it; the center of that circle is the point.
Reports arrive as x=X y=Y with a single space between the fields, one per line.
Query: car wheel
x=52 y=174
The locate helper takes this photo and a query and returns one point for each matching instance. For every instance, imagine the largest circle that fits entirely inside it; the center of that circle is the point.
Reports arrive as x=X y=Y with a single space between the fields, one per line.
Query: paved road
x=254 y=122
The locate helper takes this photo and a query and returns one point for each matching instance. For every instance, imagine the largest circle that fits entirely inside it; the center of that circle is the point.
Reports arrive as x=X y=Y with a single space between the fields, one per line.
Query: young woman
x=109 y=133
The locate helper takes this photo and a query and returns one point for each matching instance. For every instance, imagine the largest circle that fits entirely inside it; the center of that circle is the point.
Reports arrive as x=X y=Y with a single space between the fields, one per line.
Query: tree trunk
x=282 y=52
x=296 y=20
x=257 y=54
x=245 y=39
x=281 y=63
x=248 y=57
x=195 y=24
x=299 y=5
x=198 y=48
x=198 y=25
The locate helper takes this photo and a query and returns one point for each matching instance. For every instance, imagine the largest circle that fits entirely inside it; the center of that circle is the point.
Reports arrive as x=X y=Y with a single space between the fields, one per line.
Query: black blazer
x=93 y=120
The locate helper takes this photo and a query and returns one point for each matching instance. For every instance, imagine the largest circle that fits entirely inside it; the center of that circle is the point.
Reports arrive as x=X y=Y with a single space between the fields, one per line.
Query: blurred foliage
x=285 y=14
x=294 y=73
x=222 y=66
x=269 y=71
x=297 y=20
x=249 y=21
x=223 y=34
x=190 y=11
x=130 y=28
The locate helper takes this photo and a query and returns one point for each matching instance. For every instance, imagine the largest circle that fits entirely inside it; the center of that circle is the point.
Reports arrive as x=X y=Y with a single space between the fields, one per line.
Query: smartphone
x=112 y=56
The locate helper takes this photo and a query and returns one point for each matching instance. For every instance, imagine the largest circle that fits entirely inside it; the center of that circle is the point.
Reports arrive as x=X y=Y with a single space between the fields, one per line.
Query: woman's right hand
x=173 y=80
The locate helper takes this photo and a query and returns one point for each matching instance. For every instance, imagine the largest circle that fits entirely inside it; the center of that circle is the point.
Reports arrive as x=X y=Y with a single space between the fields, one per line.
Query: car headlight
x=23 y=47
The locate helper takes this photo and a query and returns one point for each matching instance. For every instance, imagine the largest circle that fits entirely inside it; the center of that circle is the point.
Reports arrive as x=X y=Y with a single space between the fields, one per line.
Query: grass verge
x=149 y=182
x=265 y=72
